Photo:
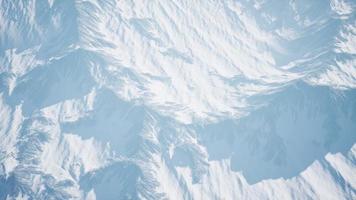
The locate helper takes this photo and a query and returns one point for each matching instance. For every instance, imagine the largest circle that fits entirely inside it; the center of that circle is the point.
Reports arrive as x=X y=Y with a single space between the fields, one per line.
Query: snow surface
x=158 y=99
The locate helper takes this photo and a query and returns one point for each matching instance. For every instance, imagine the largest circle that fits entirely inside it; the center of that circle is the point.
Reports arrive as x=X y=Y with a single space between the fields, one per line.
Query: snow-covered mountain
x=159 y=99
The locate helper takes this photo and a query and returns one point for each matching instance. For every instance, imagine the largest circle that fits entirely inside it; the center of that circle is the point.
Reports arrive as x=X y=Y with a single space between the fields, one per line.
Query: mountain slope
x=177 y=100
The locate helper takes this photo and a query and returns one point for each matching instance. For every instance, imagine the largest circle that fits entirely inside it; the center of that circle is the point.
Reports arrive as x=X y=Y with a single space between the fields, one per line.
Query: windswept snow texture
x=177 y=99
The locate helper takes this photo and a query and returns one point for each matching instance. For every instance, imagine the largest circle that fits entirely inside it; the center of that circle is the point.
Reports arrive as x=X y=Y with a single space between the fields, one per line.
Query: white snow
x=182 y=99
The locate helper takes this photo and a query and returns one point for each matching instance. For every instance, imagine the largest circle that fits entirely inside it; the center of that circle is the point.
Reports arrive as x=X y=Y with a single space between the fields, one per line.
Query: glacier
x=157 y=99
